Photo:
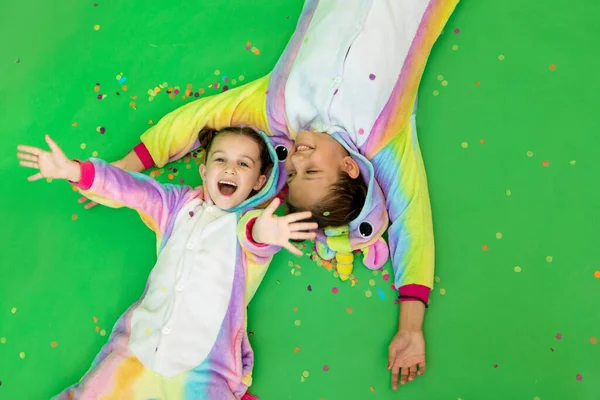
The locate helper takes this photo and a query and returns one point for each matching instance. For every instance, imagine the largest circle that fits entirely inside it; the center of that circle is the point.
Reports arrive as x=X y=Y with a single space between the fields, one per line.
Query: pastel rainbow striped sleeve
x=176 y=134
x=393 y=149
x=113 y=187
x=257 y=256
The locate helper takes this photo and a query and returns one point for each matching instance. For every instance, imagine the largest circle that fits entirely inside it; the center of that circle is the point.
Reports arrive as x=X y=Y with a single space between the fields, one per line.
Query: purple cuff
x=414 y=292
x=88 y=173
x=249 y=227
x=144 y=155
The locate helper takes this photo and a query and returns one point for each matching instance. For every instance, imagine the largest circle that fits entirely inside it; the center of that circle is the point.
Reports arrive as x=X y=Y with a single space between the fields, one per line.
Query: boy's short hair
x=344 y=202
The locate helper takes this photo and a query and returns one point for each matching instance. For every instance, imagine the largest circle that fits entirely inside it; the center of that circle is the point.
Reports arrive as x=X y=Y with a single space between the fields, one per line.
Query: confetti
x=297 y=322
x=22 y=355
x=436 y=92
x=381 y=294
x=444 y=83
x=296 y=349
x=325 y=368
x=530 y=154
x=102 y=332
x=3 y=340
x=361 y=131
x=442 y=291
x=74 y=124
x=464 y=145
x=96 y=27
x=455 y=47
x=508 y=192
x=13 y=310
x=593 y=340
x=305 y=374
x=18 y=60
x=517 y=269
x=482 y=141
x=499 y=235
x=545 y=163
x=372 y=77
x=82 y=146
x=53 y=345
x=94 y=154
x=597 y=274
x=372 y=282
x=349 y=310
x=74 y=217
x=495 y=365
x=501 y=57
x=549 y=259
x=241 y=78
x=371 y=388
x=457 y=31
x=572 y=162
x=334 y=290
x=552 y=67
x=558 y=336
x=536 y=398
x=326 y=213
x=97 y=328
x=485 y=247
x=440 y=77
x=437 y=279
x=579 y=377
x=477 y=83
x=368 y=293
x=95 y=320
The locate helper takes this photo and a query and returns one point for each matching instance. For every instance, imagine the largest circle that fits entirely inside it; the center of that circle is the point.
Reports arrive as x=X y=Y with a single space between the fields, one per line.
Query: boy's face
x=232 y=170
x=313 y=165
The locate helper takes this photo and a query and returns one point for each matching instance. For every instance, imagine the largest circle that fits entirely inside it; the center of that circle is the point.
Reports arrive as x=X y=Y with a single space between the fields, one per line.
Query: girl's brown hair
x=207 y=135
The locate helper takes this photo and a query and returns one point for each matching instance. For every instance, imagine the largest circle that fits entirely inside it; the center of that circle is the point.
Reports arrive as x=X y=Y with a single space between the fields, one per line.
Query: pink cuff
x=249 y=227
x=414 y=292
x=88 y=173
x=144 y=155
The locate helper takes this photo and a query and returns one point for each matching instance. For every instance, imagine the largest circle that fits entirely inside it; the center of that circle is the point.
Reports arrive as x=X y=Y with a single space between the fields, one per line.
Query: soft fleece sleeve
x=113 y=187
x=257 y=256
x=176 y=133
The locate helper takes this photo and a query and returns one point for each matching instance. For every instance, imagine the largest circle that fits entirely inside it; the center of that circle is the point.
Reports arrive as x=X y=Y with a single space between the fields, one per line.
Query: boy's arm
x=113 y=187
x=176 y=134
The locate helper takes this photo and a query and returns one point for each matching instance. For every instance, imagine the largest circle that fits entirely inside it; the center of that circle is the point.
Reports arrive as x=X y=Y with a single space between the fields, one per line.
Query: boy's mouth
x=227 y=188
x=303 y=147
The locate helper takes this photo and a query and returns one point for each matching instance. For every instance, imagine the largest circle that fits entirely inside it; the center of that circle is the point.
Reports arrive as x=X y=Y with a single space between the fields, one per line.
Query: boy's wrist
x=74 y=171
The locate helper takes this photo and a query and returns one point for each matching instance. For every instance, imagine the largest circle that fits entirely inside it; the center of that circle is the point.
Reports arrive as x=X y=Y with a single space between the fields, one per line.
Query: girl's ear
x=203 y=174
x=260 y=182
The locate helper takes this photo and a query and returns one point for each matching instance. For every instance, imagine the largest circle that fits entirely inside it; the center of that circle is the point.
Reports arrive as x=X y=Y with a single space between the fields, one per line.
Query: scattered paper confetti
x=464 y=145
x=485 y=247
x=552 y=67
x=368 y=293
x=334 y=290
x=102 y=332
x=381 y=294
x=558 y=336
x=297 y=322
x=436 y=92
x=444 y=83
x=442 y=291
x=296 y=349
x=96 y=27
x=53 y=345
x=371 y=388
x=305 y=374
x=457 y=31
x=545 y=163
x=455 y=47
x=501 y=57
x=440 y=77
x=597 y=274
x=3 y=340
x=349 y=310
x=593 y=340
x=372 y=77
x=517 y=269
x=22 y=354
x=579 y=377
x=549 y=259
x=530 y=154
x=74 y=217
x=325 y=368
x=508 y=192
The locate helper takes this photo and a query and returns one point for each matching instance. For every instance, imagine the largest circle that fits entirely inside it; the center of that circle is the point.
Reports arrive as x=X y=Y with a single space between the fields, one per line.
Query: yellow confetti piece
x=95 y=320
x=508 y=192
x=305 y=374
x=436 y=92
x=326 y=213
x=498 y=235
x=440 y=77
x=517 y=269
x=455 y=47
x=549 y=259
x=188 y=166
x=297 y=322
x=371 y=388
x=302 y=379
x=530 y=154
x=372 y=282
x=74 y=124
x=442 y=291
x=148 y=331
x=82 y=146
x=444 y=83
x=96 y=27
x=241 y=78
x=464 y=145
x=74 y=217
x=49 y=180
x=22 y=354
x=572 y=162
x=102 y=332
x=298 y=273
x=375 y=273
x=368 y=293
x=233 y=81
x=501 y=57
x=94 y=154
x=536 y=398
x=217 y=72
x=13 y=310
x=3 y=340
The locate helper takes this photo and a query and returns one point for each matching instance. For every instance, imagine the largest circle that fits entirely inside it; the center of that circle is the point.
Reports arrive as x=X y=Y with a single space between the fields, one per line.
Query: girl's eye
x=243 y=164
x=311 y=171
x=219 y=159
x=290 y=175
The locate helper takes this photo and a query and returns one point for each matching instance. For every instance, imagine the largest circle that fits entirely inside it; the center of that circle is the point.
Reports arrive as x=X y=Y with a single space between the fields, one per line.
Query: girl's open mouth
x=227 y=188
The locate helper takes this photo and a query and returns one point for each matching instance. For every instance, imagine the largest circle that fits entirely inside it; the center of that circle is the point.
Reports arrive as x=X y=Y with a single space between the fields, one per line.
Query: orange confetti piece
x=170 y=176
x=485 y=247
x=189 y=86
x=349 y=310
x=545 y=163
x=597 y=274
x=74 y=217
x=552 y=67
x=172 y=96
x=593 y=340
x=477 y=83
x=97 y=329
x=97 y=88
x=75 y=188
x=482 y=141
x=95 y=320
x=157 y=90
x=150 y=122
x=257 y=52
x=201 y=91
x=295 y=309
x=371 y=388
x=296 y=349
x=53 y=344
x=74 y=124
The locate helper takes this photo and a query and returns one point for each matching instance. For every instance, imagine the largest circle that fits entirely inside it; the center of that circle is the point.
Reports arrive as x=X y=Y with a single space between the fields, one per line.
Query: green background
x=492 y=333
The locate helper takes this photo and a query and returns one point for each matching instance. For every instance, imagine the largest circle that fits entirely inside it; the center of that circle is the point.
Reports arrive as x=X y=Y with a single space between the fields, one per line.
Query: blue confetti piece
x=123 y=79
x=381 y=294
x=225 y=79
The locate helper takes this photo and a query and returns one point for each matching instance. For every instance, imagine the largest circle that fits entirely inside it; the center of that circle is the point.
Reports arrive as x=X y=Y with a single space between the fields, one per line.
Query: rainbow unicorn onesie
x=352 y=69
x=186 y=337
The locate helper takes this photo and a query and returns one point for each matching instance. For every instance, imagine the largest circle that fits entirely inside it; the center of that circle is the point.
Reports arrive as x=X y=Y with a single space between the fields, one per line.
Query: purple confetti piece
x=372 y=77
x=309 y=288
x=191 y=213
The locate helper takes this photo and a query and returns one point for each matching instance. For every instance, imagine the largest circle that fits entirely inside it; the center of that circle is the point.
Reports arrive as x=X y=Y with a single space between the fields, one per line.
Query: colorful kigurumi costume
x=186 y=337
x=352 y=69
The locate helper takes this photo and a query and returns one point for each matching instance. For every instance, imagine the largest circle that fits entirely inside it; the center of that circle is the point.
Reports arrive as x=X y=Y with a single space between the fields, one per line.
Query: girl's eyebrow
x=241 y=155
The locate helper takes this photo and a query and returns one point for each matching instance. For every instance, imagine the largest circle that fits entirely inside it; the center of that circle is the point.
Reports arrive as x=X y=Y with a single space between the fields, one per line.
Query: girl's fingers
x=53 y=146
x=82 y=200
x=272 y=207
x=29 y=149
x=292 y=249
x=29 y=164
x=302 y=235
x=35 y=177
x=303 y=226
x=298 y=216
x=90 y=205
x=25 y=156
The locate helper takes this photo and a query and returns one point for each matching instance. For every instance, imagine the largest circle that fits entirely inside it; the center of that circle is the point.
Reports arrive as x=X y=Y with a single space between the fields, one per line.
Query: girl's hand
x=406 y=352
x=274 y=230
x=51 y=164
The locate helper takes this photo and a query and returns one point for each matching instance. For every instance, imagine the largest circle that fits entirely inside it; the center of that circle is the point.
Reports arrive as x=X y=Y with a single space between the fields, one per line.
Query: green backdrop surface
x=508 y=128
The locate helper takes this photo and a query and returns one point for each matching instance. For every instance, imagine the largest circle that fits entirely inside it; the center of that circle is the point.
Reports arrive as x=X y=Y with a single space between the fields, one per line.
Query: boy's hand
x=51 y=164
x=406 y=356
x=274 y=230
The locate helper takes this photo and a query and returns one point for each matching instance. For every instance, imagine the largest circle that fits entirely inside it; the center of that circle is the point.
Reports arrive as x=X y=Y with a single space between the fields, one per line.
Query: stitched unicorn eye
x=282 y=152
x=365 y=229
